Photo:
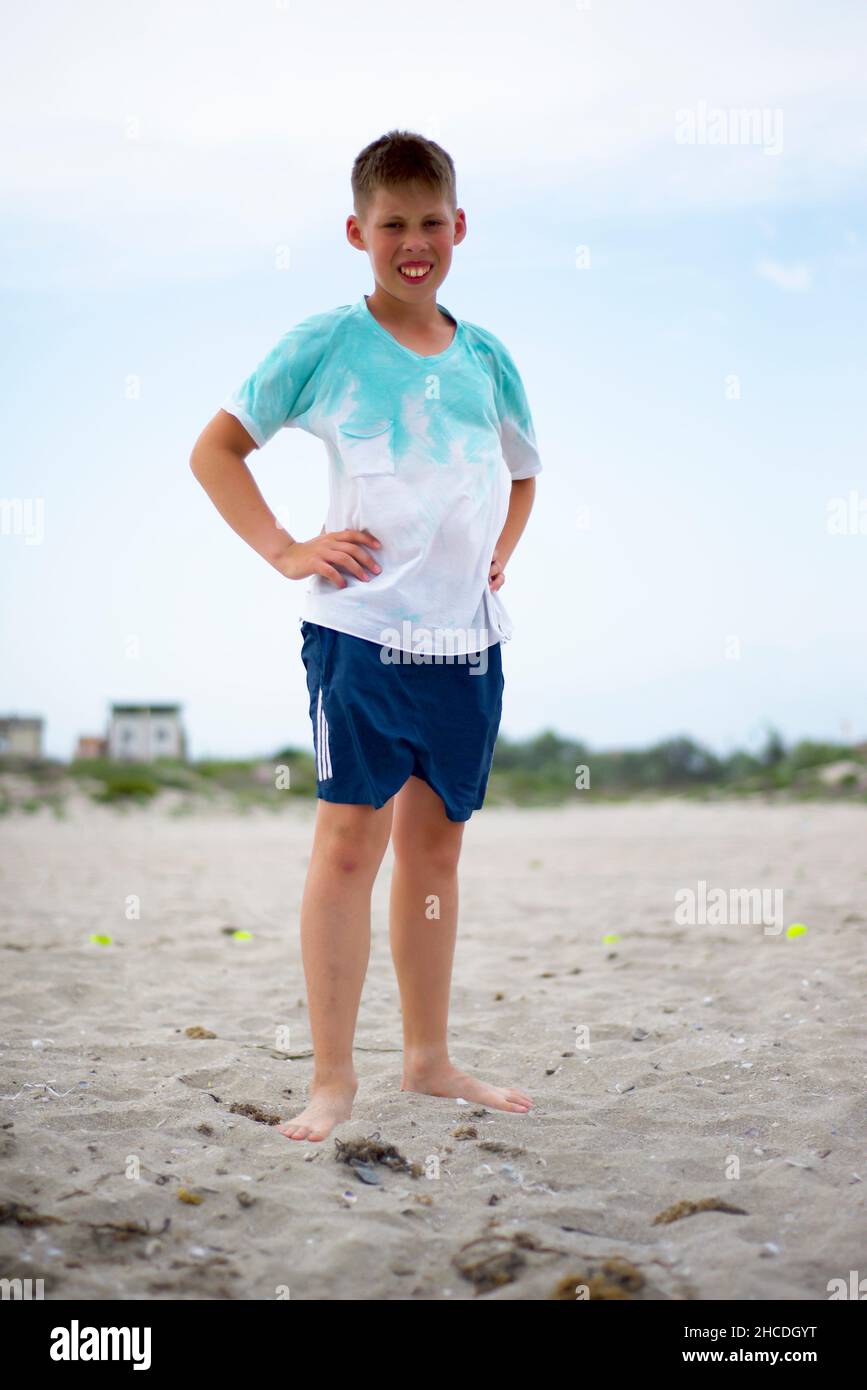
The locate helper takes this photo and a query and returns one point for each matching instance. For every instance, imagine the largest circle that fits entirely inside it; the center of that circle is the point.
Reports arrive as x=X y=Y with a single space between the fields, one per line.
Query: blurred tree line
x=678 y=763
x=544 y=770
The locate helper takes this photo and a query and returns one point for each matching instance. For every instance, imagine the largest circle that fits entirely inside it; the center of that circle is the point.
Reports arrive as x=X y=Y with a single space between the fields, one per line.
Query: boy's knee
x=351 y=843
x=436 y=854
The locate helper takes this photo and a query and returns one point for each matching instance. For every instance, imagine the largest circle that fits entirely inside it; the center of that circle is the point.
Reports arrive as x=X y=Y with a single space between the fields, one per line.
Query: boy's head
x=406 y=215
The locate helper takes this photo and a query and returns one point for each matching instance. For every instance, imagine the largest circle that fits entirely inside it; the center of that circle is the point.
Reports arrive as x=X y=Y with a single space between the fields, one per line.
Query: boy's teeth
x=414 y=271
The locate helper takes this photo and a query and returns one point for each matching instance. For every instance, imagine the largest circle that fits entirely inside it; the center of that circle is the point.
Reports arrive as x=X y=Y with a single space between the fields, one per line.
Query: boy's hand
x=326 y=552
x=497 y=573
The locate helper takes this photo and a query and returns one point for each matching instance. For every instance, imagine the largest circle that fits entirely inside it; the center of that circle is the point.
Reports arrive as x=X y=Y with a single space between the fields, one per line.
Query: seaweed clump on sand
x=616 y=1279
x=254 y=1112
x=25 y=1215
x=688 y=1208
x=491 y=1260
x=362 y=1154
x=465 y=1132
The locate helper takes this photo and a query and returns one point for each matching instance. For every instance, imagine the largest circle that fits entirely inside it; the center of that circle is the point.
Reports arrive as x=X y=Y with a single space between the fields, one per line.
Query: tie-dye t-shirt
x=422 y=452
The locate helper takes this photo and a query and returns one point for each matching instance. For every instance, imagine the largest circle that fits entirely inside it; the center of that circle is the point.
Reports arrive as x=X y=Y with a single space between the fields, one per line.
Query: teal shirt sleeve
x=517 y=434
x=282 y=386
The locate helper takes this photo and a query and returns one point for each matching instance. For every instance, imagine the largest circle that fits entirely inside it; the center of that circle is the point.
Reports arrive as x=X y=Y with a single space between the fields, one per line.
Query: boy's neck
x=388 y=309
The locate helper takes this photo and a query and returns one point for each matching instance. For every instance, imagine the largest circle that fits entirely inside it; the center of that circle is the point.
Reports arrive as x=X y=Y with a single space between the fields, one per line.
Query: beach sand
x=721 y=1062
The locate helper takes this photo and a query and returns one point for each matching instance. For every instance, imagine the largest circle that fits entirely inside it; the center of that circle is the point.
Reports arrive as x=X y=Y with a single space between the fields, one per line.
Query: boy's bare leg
x=427 y=848
x=348 y=845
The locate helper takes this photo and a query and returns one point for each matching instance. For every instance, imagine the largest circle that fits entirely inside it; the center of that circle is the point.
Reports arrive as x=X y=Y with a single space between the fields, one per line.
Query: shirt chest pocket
x=367 y=449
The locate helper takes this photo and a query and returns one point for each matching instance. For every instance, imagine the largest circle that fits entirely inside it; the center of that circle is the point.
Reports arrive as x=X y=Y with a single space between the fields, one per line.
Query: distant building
x=91 y=746
x=141 y=733
x=22 y=735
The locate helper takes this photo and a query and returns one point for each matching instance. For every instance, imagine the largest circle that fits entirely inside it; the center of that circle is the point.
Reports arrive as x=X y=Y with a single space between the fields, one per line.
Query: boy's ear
x=354 y=232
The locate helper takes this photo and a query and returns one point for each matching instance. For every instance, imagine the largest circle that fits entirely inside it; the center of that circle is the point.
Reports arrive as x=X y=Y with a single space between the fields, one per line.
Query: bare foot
x=446 y=1080
x=329 y=1105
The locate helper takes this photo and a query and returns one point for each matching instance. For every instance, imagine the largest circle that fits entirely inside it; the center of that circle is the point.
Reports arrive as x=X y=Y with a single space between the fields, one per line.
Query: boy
x=432 y=458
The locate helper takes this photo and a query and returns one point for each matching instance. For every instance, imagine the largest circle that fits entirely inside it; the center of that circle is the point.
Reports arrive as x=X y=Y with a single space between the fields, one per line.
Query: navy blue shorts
x=376 y=723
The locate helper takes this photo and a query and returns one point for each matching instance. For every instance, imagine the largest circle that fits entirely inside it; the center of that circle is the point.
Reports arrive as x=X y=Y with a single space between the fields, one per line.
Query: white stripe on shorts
x=323 y=749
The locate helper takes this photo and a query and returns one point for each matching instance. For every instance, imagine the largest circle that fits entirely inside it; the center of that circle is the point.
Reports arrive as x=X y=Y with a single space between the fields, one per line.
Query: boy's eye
x=431 y=222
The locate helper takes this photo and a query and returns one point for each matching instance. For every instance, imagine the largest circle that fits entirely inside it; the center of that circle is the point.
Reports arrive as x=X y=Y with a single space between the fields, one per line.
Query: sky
x=666 y=227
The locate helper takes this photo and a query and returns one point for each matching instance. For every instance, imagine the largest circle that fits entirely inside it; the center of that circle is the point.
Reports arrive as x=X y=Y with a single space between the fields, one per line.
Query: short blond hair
x=402 y=157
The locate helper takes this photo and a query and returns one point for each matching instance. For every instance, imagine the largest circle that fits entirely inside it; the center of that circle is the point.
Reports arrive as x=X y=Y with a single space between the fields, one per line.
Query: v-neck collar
x=417 y=356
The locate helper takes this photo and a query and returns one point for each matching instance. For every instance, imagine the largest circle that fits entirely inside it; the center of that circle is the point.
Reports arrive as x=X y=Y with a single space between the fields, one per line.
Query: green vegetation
x=247 y=782
x=548 y=767
x=546 y=770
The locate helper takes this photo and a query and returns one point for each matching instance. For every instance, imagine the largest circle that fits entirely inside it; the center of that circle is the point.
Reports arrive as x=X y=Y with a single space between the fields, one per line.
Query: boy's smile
x=409 y=233
x=415 y=271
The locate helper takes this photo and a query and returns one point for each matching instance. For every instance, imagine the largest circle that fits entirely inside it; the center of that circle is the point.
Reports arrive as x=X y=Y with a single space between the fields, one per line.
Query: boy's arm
x=218 y=461
x=520 y=506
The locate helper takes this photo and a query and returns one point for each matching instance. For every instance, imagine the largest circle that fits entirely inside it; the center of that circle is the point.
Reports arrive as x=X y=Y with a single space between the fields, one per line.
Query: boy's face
x=409 y=226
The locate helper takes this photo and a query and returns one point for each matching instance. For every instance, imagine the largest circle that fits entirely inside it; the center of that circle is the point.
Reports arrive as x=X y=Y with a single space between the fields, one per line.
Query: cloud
x=181 y=141
x=793 y=278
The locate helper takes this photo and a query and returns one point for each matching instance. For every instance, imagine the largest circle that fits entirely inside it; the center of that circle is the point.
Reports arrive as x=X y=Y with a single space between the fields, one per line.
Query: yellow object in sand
x=796 y=929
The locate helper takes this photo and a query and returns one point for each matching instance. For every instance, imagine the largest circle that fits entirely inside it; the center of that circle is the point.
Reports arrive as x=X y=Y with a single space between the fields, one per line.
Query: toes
x=296 y=1132
x=300 y=1132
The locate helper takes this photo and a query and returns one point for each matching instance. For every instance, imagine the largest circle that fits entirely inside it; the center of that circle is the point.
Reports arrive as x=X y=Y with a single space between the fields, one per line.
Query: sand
x=723 y=1062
